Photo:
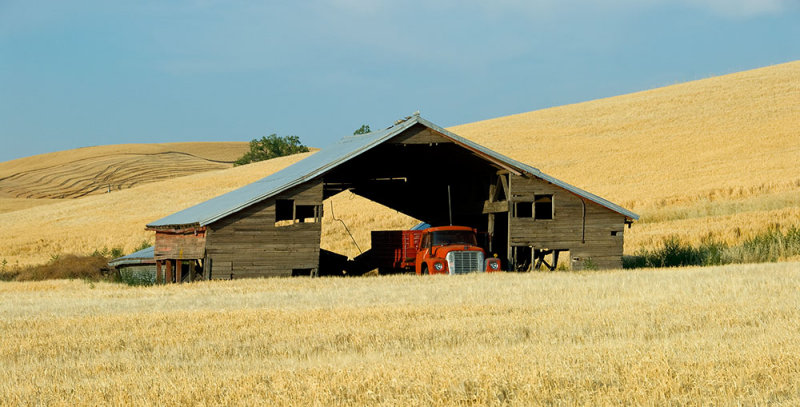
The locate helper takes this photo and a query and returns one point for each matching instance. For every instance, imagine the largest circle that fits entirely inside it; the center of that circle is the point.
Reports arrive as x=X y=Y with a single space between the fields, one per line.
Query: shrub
x=271 y=147
x=768 y=246
x=68 y=266
x=136 y=276
x=113 y=253
x=143 y=245
x=589 y=264
x=6 y=274
x=364 y=129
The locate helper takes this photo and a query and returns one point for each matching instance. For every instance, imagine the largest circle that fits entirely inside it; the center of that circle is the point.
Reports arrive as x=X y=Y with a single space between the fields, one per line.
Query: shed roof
x=338 y=153
x=142 y=256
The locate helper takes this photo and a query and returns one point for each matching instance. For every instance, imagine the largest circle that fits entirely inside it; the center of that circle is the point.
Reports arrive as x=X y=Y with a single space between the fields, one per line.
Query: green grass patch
x=768 y=246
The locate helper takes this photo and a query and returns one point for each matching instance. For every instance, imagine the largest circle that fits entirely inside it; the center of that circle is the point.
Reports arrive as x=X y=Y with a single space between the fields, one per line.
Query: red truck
x=437 y=250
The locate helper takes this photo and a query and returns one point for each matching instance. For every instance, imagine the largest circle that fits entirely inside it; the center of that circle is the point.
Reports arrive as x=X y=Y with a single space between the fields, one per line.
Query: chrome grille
x=460 y=262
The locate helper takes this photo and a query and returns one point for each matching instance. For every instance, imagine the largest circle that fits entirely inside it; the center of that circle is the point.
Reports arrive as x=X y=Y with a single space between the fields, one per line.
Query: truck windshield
x=445 y=237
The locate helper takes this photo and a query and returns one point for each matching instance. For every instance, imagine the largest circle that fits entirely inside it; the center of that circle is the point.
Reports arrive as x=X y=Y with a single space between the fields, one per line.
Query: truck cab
x=452 y=250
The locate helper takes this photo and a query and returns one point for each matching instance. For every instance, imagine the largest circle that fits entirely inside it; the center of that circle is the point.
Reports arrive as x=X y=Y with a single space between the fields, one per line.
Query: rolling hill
x=717 y=157
x=714 y=158
x=94 y=170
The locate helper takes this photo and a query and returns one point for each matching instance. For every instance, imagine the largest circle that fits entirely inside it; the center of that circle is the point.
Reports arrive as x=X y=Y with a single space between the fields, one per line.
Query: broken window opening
x=288 y=213
x=523 y=209
x=543 y=207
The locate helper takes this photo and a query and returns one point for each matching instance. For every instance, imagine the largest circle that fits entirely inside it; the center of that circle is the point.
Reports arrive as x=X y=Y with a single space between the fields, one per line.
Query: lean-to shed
x=272 y=227
x=137 y=267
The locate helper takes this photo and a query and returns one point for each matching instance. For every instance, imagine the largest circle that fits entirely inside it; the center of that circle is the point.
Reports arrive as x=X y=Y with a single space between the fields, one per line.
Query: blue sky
x=81 y=73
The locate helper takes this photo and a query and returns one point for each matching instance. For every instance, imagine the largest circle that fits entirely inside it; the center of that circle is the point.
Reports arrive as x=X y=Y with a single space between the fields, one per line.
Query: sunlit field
x=712 y=336
x=717 y=158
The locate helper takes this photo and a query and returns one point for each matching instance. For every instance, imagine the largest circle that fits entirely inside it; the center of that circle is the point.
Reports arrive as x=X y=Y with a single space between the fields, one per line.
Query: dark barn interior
x=422 y=175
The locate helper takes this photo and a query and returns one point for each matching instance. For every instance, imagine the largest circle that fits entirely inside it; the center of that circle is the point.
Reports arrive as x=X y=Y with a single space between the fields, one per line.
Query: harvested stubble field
x=717 y=158
x=722 y=336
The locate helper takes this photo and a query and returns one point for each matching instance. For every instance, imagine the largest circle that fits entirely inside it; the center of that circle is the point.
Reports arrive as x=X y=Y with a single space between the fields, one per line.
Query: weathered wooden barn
x=272 y=227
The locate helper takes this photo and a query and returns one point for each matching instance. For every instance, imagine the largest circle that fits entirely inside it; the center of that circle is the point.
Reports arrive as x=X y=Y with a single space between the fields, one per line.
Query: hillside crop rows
x=100 y=169
x=718 y=336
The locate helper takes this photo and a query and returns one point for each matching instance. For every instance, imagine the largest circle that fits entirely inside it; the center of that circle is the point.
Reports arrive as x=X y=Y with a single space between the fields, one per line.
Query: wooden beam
x=512 y=260
x=495 y=207
x=159 y=280
x=555 y=259
x=169 y=271
x=492 y=192
x=506 y=188
x=207 y=268
x=490 y=230
x=178 y=271
x=193 y=270
x=490 y=226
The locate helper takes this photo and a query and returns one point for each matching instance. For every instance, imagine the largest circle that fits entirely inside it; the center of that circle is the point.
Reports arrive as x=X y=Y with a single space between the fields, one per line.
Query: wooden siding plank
x=567 y=229
x=248 y=244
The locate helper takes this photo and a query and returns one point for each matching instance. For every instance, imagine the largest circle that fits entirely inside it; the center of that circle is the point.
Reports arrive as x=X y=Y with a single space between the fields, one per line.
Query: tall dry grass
x=715 y=336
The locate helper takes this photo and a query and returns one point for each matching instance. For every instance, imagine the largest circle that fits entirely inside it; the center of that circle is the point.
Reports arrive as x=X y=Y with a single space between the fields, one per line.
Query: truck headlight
x=438 y=266
x=494 y=265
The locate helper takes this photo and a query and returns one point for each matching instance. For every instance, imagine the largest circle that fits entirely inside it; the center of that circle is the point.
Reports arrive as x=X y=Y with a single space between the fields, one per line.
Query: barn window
x=307 y=213
x=287 y=212
x=543 y=207
x=523 y=209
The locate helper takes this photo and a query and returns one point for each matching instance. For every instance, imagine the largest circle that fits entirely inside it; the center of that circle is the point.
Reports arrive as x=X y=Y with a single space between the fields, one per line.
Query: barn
x=272 y=227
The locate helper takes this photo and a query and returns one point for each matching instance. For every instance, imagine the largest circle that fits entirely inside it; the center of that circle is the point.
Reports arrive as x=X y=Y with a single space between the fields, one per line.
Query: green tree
x=364 y=129
x=270 y=147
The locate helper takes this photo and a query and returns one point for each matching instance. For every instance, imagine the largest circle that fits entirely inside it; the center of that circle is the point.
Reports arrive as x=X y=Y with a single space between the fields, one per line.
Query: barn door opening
x=499 y=238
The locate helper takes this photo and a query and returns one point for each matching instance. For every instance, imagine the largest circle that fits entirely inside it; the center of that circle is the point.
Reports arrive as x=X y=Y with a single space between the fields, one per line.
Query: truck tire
x=424 y=271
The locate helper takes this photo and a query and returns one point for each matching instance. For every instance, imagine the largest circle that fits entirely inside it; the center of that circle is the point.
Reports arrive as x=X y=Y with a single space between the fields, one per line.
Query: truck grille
x=460 y=262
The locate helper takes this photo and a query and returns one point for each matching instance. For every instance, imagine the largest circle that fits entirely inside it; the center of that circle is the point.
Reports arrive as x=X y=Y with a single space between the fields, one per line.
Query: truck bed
x=395 y=248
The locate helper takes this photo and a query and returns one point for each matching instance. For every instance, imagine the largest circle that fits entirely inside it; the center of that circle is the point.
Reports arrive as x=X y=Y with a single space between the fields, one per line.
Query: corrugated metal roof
x=329 y=157
x=421 y=226
x=144 y=255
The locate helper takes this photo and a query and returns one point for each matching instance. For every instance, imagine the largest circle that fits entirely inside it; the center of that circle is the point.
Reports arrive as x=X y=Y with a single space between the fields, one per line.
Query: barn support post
x=159 y=279
x=169 y=271
x=206 y=268
x=178 y=271
x=193 y=271
x=490 y=227
x=511 y=253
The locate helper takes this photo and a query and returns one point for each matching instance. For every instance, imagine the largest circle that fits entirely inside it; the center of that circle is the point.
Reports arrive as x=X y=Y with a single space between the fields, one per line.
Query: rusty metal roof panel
x=333 y=155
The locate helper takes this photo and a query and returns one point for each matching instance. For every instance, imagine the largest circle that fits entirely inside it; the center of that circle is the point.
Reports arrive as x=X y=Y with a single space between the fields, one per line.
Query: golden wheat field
x=712 y=336
x=718 y=157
